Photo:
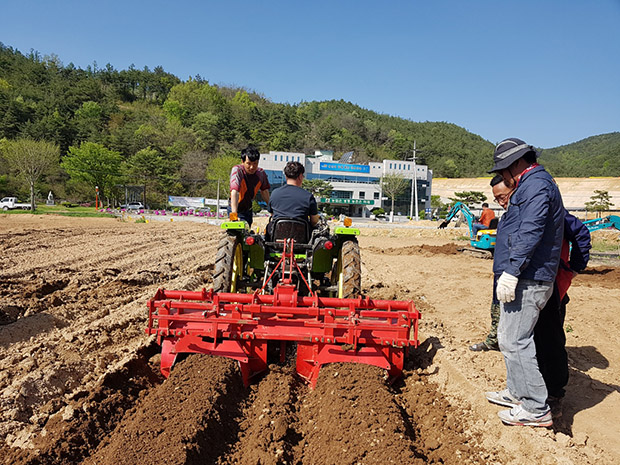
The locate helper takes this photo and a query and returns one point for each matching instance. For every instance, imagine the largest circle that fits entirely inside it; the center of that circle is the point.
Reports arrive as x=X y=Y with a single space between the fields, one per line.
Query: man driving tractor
x=291 y=200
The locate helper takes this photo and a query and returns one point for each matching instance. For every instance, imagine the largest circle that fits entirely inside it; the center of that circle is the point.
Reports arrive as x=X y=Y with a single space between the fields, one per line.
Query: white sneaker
x=519 y=417
x=503 y=398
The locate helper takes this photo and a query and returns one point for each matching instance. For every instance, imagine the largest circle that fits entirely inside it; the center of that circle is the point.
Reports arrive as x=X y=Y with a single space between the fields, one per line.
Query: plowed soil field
x=79 y=378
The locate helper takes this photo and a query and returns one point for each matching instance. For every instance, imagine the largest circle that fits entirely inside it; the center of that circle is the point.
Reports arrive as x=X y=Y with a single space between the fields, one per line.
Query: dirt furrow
x=188 y=419
x=351 y=417
x=268 y=422
x=86 y=253
x=73 y=428
x=86 y=323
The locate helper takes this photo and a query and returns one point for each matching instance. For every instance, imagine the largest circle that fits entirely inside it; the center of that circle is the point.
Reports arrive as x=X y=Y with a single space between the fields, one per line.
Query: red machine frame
x=326 y=329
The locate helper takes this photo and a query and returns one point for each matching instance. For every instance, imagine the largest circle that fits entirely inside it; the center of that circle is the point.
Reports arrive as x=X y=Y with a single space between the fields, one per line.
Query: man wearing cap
x=527 y=256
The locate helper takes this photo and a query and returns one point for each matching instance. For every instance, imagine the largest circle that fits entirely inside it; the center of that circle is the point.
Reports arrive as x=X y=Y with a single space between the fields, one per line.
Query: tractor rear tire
x=349 y=271
x=228 y=265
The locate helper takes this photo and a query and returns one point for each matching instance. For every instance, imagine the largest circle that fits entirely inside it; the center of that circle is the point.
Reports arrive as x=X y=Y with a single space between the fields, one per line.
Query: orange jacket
x=486 y=216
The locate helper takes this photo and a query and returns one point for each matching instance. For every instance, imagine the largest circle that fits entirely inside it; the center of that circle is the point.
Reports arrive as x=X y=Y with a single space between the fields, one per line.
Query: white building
x=356 y=187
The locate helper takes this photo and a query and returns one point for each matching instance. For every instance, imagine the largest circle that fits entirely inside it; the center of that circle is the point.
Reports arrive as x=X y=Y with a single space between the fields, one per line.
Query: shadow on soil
x=583 y=391
x=27 y=327
x=424 y=354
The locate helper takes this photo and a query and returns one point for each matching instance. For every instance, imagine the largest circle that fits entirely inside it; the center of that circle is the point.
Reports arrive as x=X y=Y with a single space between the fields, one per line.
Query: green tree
x=31 y=159
x=437 y=205
x=393 y=185
x=256 y=208
x=193 y=171
x=469 y=198
x=147 y=167
x=218 y=173
x=599 y=202
x=206 y=128
x=89 y=121
x=318 y=187
x=449 y=168
x=94 y=165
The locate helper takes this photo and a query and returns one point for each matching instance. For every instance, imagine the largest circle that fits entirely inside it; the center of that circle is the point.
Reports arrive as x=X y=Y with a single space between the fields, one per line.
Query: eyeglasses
x=502 y=198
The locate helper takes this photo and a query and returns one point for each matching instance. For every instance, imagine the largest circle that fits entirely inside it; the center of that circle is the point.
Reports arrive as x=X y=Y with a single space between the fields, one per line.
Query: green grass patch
x=85 y=212
x=605 y=244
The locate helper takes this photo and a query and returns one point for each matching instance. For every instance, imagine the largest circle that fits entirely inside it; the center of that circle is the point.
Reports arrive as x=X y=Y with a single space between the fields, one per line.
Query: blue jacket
x=529 y=236
x=578 y=235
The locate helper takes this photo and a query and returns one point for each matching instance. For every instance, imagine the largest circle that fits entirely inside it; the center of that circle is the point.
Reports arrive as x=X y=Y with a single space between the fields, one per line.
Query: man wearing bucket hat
x=527 y=255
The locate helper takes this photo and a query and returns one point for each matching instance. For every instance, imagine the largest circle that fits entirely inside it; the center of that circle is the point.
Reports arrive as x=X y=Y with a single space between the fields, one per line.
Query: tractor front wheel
x=348 y=271
x=228 y=265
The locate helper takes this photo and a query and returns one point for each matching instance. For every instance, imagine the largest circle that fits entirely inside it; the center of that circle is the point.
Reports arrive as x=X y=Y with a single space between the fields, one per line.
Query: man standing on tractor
x=246 y=180
x=291 y=200
x=527 y=256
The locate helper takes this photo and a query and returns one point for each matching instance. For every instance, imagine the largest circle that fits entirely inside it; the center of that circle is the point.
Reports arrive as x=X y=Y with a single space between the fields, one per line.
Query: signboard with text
x=344 y=167
x=187 y=202
x=346 y=201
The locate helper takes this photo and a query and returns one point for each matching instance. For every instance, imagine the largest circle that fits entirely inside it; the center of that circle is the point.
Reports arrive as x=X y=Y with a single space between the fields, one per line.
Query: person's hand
x=506 y=286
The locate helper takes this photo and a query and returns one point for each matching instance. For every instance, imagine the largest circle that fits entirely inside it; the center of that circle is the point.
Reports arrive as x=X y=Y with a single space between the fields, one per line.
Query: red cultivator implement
x=242 y=326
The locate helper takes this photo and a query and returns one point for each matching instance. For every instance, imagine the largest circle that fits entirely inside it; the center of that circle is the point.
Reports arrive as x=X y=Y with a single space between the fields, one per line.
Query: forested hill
x=594 y=156
x=164 y=127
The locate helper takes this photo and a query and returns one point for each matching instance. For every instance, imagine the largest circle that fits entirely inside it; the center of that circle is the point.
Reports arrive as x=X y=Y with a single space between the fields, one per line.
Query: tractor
x=292 y=285
x=324 y=263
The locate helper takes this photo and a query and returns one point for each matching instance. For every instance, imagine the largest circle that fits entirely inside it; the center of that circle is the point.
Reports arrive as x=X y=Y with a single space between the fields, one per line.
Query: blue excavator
x=483 y=242
x=611 y=221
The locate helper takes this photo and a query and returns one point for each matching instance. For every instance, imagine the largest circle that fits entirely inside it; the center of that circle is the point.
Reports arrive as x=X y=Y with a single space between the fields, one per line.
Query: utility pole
x=414 y=186
x=217 y=200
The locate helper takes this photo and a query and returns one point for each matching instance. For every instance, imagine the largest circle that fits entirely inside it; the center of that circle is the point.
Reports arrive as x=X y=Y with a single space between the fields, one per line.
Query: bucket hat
x=508 y=151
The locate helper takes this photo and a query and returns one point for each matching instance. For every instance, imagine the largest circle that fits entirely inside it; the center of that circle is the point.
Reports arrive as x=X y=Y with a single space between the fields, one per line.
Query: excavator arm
x=459 y=207
x=611 y=221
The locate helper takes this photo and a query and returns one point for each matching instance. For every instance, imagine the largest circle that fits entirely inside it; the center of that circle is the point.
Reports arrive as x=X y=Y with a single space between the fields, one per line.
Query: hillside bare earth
x=79 y=380
x=575 y=191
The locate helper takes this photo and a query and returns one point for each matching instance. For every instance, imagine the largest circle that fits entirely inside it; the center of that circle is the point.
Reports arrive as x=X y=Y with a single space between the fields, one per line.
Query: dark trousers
x=550 y=341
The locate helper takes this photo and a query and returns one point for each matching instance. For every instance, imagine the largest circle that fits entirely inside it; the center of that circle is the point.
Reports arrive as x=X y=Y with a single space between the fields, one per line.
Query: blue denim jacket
x=529 y=235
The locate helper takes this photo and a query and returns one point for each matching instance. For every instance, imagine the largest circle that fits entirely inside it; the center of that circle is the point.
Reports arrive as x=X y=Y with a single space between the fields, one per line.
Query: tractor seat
x=493 y=223
x=289 y=228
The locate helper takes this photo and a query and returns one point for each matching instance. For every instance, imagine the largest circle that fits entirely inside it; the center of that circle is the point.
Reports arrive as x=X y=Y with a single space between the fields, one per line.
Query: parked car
x=133 y=206
x=10 y=203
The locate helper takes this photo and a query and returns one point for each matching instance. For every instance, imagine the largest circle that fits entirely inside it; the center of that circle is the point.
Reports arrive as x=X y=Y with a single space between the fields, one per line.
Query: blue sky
x=547 y=71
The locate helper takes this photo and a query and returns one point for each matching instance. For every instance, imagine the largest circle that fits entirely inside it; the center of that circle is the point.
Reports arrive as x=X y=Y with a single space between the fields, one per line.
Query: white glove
x=506 y=286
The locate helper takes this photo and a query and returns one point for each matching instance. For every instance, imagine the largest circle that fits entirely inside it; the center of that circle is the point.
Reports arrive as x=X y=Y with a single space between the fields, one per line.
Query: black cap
x=508 y=151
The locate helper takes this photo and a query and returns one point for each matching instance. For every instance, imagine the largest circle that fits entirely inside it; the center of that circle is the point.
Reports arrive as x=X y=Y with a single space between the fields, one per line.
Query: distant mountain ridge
x=132 y=111
x=593 y=156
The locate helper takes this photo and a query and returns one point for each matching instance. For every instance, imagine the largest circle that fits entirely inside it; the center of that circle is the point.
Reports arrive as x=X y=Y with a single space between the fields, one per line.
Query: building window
x=362 y=195
x=376 y=196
